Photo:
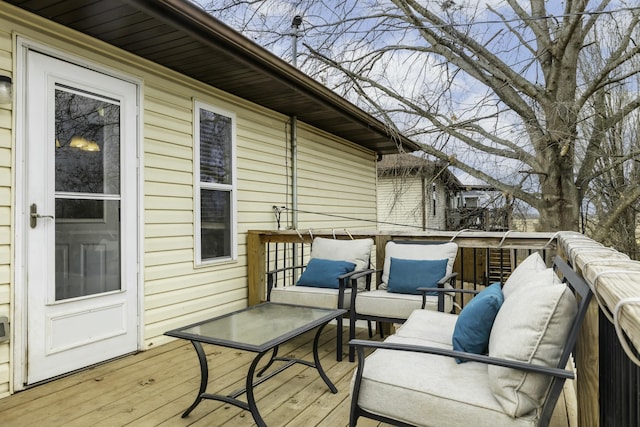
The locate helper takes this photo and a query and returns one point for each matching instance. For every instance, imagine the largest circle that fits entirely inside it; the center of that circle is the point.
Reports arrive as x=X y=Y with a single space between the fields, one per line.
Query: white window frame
x=198 y=185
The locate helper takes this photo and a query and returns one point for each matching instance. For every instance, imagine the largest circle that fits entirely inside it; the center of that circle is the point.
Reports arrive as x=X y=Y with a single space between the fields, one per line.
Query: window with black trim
x=215 y=184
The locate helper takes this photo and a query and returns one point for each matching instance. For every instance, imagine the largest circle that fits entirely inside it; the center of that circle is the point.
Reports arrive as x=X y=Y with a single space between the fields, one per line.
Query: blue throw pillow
x=473 y=327
x=323 y=273
x=406 y=275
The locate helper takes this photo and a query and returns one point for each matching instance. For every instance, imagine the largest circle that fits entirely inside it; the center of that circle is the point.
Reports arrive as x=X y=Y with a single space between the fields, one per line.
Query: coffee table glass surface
x=257 y=328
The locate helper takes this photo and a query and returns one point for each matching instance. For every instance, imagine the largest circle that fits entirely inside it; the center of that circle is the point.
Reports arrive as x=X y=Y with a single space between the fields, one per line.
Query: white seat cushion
x=400 y=306
x=311 y=297
x=436 y=326
x=428 y=390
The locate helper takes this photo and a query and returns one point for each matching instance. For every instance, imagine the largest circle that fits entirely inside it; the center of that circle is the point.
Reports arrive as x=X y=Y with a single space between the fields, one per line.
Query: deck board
x=154 y=387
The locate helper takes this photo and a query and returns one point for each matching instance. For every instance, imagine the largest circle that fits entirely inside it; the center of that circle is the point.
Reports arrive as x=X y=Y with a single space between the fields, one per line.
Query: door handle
x=34 y=215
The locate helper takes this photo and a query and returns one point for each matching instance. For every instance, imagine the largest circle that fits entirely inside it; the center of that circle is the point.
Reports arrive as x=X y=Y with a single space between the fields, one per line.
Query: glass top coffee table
x=259 y=329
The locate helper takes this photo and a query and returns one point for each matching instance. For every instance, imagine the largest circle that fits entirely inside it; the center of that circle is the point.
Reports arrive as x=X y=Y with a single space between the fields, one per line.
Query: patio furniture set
x=500 y=361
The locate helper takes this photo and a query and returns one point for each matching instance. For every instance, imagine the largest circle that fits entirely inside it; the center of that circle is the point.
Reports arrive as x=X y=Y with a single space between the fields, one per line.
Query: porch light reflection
x=83 y=144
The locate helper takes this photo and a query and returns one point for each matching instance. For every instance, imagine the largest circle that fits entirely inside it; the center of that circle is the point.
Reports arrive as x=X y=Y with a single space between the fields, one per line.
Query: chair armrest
x=272 y=274
x=362 y=273
x=440 y=290
x=488 y=360
x=451 y=278
x=368 y=273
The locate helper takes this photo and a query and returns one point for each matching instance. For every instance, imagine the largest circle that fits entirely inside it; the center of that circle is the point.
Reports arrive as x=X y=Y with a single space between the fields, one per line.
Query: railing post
x=256 y=268
x=380 y=241
x=587 y=367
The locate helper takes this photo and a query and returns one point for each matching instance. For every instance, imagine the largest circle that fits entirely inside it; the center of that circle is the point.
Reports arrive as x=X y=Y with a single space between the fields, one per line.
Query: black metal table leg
x=268 y=365
x=204 y=377
x=316 y=359
x=251 y=401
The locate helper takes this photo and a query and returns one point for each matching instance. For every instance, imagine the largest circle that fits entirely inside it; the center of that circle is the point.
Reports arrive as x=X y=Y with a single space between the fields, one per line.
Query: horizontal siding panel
x=168 y=243
x=156 y=94
x=168 y=121
x=337 y=171
x=185 y=271
x=161 y=230
x=160 y=108
x=176 y=203
x=5 y=215
x=251 y=155
x=152 y=160
x=5 y=298
x=5 y=138
x=255 y=182
x=162 y=258
x=5 y=197
x=168 y=176
x=168 y=189
x=5 y=157
x=164 y=292
x=194 y=306
x=5 y=274
x=5 y=177
x=5 y=235
x=153 y=133
x=5 y=58
x=4 y=352
x=168 y=217
x=5 y=117
x=170 y=150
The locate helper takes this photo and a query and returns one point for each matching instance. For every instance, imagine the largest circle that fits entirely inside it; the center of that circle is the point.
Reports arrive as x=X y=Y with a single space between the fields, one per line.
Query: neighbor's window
x=434 y=200
x=215 y=184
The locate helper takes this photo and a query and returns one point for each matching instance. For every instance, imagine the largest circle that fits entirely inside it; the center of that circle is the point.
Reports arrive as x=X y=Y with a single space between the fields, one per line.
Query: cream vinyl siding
x=6 y=211
x=439 y=220
x=335 y=177
x=336 y=183
x=400 y=203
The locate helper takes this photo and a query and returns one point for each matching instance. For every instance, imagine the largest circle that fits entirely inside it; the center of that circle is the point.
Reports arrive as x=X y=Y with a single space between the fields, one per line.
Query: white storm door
x=82 y=230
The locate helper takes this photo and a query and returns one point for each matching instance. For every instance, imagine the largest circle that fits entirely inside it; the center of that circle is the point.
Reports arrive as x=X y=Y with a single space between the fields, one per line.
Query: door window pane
x=87 y=143
x=87 y=249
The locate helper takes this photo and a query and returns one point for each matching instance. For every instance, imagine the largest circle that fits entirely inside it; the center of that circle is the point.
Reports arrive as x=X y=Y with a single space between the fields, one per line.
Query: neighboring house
x=482 y=208
x=417 y=193
x=156 y=136
x=414 y=193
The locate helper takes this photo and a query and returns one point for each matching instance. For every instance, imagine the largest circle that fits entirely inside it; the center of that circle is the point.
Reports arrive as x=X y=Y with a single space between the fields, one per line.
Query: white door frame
x=21 y=220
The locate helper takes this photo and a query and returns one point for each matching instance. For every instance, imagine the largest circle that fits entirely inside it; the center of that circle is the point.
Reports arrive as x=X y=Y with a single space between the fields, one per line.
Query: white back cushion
x=532 y=326
x=357 y=251
x=417 y=251
x=524 y=273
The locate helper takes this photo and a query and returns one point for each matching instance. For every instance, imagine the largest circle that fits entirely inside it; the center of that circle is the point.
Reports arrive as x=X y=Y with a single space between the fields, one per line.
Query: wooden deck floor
x=153 y=388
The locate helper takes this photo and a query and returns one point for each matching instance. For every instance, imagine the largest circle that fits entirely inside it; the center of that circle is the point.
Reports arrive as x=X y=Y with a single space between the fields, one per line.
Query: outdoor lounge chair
x=324 y=279
x=414 y=378
x=409 y=266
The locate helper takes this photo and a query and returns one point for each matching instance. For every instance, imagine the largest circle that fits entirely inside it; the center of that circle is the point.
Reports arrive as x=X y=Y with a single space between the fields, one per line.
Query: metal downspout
x=294 y=172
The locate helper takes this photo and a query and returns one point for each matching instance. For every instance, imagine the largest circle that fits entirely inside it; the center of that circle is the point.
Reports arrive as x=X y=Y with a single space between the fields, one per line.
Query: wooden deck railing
x=487 y=257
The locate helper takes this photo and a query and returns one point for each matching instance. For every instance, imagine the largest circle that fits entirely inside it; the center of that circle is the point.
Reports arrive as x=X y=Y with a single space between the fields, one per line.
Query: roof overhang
x=180 y=36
